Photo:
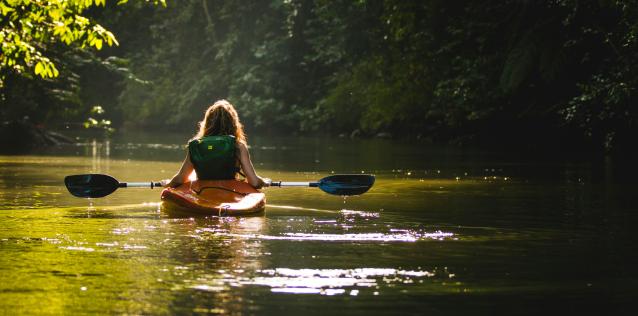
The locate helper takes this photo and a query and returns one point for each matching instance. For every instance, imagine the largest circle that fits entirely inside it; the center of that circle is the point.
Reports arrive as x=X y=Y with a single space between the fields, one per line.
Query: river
x=443 y=231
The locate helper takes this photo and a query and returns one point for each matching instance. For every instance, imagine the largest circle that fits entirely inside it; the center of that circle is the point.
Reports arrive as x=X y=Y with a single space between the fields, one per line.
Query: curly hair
x=221 y=118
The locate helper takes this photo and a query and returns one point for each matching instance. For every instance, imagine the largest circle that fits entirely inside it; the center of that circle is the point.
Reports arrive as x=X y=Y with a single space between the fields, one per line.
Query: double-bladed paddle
x=100 y=185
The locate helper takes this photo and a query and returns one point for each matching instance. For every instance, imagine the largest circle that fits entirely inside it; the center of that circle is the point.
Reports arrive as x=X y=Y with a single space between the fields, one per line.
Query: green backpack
x=214 y=157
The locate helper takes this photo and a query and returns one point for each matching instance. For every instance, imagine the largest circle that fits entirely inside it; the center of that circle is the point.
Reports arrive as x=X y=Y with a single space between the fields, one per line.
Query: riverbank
x=23 y=136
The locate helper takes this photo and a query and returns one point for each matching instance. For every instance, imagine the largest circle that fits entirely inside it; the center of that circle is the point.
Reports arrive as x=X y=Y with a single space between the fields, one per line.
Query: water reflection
x=325 y=281
x=505 y=230
x=100 y=156
x=346 y=226
x=209 y=262
x=398 y=236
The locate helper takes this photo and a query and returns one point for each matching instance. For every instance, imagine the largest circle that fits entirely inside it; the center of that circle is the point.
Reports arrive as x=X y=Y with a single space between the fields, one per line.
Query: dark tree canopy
x=470 y=72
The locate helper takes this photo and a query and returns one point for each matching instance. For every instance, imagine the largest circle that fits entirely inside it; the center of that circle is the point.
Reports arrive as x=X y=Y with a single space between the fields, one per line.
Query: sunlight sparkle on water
x=87 y=249
x=363 y=237
x=123 y=231
x=363 y=214
x=320 y=281
x=107 y=244
x=332 y=281
x=134 y=247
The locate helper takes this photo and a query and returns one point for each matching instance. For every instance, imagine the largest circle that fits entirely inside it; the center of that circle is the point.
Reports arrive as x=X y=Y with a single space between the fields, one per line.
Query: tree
x=29 y=27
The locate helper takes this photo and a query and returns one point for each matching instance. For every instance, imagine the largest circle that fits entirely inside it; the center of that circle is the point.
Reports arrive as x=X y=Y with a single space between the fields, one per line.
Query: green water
x=443 y=231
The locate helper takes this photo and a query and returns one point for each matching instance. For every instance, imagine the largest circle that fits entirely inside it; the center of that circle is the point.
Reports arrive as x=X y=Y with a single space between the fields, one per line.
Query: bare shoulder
x=242 y=147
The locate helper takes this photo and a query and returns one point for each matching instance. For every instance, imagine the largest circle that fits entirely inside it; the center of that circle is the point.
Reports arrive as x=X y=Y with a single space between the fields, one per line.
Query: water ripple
x=399 y=236
x=325 y=281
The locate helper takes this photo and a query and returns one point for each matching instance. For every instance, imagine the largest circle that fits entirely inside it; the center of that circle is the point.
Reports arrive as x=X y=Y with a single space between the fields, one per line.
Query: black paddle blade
x=347 y=184
x=91 y=185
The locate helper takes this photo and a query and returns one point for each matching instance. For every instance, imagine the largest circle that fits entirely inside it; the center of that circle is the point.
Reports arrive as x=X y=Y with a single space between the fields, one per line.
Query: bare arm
x=247 y=166
x=182 y=175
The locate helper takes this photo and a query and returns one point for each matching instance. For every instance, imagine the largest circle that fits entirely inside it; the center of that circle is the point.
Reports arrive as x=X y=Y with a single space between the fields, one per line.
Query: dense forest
x=520 y=73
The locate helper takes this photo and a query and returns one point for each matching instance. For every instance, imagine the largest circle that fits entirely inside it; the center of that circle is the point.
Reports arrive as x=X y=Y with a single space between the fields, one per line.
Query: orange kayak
x=214 y=197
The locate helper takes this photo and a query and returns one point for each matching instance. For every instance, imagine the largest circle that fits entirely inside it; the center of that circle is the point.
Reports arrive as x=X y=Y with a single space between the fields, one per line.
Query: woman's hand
x=247 y=166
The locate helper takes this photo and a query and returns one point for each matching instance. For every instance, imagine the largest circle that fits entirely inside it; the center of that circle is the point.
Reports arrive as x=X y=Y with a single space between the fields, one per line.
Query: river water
x=443 y=231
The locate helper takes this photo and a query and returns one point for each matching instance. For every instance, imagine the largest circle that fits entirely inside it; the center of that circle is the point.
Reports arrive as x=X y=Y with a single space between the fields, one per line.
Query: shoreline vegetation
x=34 y=137
x=23 y=136
x=519 y=75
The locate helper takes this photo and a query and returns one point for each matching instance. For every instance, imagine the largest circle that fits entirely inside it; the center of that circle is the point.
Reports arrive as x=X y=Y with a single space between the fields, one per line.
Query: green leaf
x=39 y=68
x=4 y=9
x=54 y=70
x=48 y=70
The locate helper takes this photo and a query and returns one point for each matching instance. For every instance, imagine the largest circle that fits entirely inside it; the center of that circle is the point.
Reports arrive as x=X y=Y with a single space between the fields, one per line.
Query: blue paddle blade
x=346 y=184
x=91 y=185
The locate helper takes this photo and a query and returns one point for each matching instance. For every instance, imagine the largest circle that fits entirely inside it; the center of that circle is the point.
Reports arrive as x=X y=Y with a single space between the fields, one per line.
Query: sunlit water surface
x=443 y=231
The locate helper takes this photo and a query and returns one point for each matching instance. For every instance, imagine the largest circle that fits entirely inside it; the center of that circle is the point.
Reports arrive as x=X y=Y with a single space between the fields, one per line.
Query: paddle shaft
x=139 y=185
x=294 y=184
x=272 y=184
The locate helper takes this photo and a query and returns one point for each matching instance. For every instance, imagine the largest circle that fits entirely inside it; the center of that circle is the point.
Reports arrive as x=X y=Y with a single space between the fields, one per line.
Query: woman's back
x=214 y=157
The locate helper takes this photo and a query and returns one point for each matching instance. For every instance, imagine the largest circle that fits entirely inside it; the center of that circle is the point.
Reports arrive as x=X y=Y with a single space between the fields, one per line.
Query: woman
x=219 y=150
